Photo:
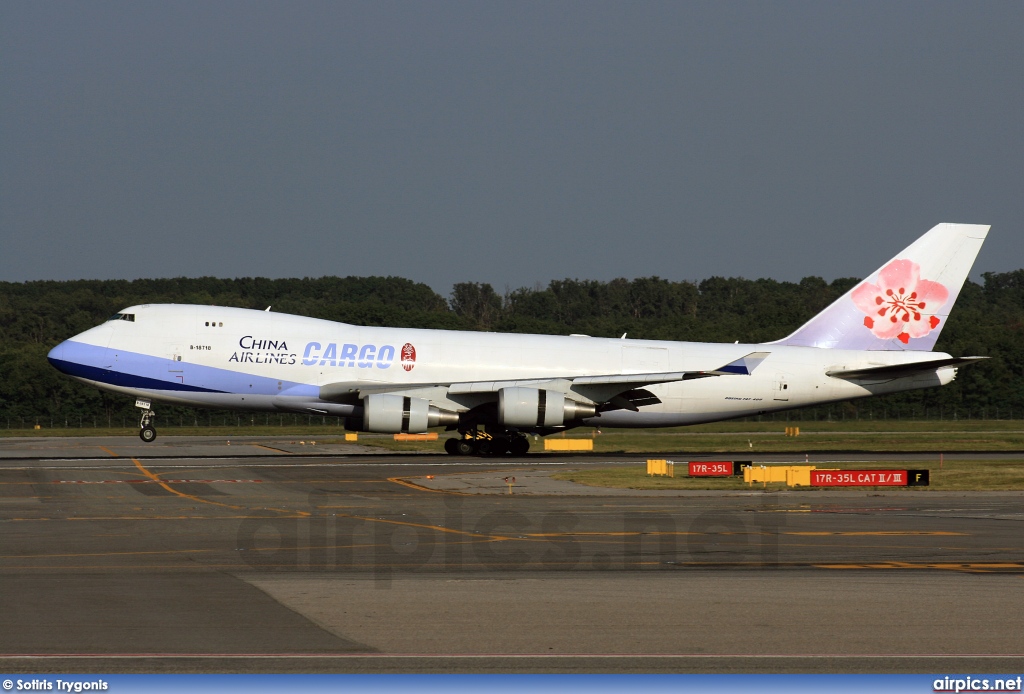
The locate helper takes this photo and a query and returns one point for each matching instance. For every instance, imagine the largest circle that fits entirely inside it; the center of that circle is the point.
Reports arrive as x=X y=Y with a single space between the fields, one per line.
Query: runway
x=205 y=560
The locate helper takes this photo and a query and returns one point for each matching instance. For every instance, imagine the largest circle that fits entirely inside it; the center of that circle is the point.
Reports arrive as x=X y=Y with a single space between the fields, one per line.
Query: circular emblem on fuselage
x=408 y=356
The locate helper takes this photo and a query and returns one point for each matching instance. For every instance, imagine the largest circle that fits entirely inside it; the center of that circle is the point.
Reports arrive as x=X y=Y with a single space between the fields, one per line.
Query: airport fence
x=208 y=420
x=215 y=419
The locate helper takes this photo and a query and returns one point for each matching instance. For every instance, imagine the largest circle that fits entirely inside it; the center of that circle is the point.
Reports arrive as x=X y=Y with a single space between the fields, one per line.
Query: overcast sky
x=510 y=143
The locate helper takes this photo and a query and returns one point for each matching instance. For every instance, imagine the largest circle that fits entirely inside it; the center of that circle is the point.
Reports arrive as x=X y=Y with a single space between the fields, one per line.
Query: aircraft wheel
x=499 y=445
x=519 y=445
x=147 y=434
x=464 y=446
x=485 y=447
x=451 y=446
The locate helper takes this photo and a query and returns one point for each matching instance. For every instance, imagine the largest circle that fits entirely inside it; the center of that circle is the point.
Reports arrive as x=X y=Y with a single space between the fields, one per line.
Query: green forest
x=988 y=320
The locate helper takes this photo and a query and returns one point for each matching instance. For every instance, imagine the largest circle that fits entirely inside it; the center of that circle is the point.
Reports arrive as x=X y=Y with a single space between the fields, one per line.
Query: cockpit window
x=130 y=317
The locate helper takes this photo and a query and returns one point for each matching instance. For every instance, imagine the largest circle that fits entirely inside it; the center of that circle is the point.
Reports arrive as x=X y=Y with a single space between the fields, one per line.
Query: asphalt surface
x=267 y=557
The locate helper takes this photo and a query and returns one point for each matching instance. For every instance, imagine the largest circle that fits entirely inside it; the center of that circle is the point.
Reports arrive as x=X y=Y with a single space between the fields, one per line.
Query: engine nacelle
x=532 y=407
x=386 y=413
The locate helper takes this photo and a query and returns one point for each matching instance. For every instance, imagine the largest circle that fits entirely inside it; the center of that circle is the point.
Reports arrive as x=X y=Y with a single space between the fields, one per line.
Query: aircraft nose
x=80 y=355
x=56 y=356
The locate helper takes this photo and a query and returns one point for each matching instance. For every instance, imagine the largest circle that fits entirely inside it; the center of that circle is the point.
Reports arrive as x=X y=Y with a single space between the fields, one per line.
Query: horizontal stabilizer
x=901 y=370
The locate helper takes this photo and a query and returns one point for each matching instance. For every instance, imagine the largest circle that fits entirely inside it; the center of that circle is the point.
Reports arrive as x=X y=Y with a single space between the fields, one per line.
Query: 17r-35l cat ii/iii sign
x=875 y=339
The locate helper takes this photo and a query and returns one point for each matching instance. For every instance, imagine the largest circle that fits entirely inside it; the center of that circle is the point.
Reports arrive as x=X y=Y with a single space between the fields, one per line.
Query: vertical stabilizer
x=904 y=304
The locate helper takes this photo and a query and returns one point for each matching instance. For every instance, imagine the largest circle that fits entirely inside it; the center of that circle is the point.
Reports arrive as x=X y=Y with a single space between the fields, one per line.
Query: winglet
x=744 y=366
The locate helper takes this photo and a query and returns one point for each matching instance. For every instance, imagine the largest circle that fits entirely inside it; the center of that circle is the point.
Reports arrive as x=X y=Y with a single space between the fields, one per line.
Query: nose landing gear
x=147 y=432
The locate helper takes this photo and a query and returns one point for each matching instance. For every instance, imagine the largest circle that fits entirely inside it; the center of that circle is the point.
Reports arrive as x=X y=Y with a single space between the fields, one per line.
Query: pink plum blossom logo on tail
x=901 y=305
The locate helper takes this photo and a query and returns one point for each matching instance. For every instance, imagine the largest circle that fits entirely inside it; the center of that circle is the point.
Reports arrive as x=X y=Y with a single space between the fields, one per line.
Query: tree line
x=988 y=320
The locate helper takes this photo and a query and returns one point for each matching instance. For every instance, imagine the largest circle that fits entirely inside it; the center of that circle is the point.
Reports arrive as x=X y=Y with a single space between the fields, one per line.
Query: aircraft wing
x=599 y=388
x=902 y=370
x=603 y=389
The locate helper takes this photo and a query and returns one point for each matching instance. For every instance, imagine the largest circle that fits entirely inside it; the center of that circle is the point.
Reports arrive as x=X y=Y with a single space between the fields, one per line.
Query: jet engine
x=532 y=407
x=386 y=413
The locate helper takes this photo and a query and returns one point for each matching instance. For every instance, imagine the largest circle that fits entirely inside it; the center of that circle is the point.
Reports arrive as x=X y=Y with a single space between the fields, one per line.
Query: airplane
x=494 y=389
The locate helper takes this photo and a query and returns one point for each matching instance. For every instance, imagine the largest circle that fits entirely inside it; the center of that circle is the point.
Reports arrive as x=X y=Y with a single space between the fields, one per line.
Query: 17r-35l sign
x=718 y=468
x=858 y=478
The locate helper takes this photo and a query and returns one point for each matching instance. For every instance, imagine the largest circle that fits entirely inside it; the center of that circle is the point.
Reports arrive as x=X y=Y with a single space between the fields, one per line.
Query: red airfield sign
x=711 y=469
x=859 y=478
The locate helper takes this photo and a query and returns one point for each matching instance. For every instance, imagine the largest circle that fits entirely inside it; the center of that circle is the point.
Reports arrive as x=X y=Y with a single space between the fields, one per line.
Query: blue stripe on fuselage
x=133 y=370
x=125 y=380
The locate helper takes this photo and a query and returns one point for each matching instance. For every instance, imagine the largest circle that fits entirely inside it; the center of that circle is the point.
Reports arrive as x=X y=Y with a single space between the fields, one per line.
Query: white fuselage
x=255 y=360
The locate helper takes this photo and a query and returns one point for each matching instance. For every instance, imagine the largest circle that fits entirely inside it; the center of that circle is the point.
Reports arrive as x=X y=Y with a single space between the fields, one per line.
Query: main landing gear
x=460 y=446
x=481 y=443
x=147 y=432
